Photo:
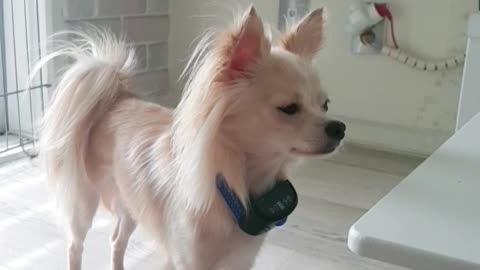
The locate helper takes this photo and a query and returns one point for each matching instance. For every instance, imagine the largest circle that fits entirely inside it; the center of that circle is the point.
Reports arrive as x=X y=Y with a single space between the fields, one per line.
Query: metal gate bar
x=26 y=139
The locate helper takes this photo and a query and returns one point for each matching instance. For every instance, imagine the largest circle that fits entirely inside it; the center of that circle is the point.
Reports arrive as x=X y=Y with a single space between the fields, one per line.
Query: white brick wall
x=157 y=5
x=120 y=7
x=152 y=81
x=145 y=23
x=146 y=28
x=159 y=55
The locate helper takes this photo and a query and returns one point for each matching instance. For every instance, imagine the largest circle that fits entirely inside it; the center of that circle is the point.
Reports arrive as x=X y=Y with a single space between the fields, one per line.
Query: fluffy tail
x=101 y=67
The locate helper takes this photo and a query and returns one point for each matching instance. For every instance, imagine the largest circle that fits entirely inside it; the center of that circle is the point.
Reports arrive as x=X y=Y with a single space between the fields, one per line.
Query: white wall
x=386 y=105
x=190 y=18
x=145 y=24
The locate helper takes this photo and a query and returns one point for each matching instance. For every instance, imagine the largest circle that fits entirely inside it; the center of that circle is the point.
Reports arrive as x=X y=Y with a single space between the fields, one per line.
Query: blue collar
x=267 y=211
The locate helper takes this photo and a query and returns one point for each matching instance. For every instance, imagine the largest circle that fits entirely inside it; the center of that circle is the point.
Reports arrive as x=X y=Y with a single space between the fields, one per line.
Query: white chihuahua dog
x=188 y=176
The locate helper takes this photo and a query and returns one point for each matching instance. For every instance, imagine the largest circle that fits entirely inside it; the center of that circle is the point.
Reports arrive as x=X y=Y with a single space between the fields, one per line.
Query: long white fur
x=161 y=172
x=101 y=70
x=87 y=89
x=90 y=84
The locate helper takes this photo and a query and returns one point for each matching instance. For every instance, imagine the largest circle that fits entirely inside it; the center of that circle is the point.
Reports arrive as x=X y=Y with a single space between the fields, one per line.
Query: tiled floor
x=11 y=148
x=333 y=195
x=8 y=142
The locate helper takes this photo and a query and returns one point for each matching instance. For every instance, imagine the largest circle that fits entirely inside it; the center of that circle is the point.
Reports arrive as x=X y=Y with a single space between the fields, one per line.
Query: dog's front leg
x=196 y=250
x=238 y=252
x=243 y=252
x=198 y=260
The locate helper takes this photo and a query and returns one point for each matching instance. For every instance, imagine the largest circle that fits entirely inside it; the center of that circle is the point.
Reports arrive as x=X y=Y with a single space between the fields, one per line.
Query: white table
x=431 y=220
x=468 y=104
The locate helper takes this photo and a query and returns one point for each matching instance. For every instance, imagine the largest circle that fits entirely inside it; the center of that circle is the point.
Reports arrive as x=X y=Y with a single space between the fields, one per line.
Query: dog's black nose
x=335 y=130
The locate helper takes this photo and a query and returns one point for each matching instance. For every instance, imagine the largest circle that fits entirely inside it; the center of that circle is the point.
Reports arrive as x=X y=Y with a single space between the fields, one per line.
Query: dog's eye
x=290 y=109
x=325 y=105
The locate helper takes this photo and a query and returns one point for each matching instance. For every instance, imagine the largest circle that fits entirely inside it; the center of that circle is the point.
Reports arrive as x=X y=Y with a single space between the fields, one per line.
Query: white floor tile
x=332 y=197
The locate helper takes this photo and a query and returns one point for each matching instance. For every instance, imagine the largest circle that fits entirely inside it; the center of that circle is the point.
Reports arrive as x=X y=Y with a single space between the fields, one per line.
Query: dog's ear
x=306 y=38
x=248 y=43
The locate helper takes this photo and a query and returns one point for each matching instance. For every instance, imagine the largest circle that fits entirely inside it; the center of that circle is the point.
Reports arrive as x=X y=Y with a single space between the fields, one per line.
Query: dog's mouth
x=328 y=149
x=331 y=147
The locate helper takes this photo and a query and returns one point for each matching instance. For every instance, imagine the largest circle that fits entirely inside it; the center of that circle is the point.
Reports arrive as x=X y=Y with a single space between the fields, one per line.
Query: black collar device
x=266 y=211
